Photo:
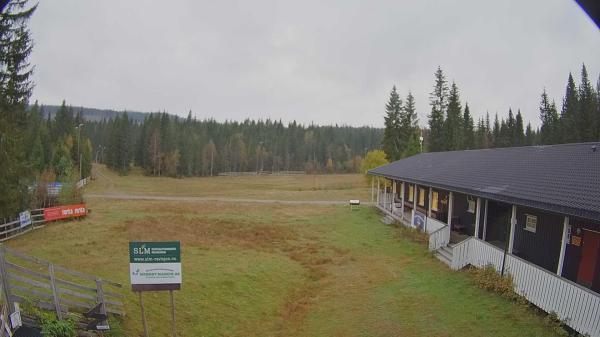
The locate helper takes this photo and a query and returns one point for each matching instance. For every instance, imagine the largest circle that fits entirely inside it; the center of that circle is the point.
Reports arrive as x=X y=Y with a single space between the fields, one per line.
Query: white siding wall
x=578 y=306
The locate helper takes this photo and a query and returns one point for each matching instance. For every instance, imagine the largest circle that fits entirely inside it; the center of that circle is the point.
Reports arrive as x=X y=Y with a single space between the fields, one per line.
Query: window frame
x=527 y=226
x=435 y=204
x=421 y=196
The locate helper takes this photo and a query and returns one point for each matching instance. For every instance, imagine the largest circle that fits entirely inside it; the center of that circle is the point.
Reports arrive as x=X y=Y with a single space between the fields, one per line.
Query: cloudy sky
x=319 y=61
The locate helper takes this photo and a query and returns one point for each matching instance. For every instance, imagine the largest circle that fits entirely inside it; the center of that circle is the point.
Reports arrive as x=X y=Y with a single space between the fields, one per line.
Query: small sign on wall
x=419 y=220
x=576 y=240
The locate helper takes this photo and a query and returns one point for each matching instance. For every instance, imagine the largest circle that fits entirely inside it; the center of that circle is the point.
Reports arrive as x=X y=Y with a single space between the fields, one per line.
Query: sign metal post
x=155 y=266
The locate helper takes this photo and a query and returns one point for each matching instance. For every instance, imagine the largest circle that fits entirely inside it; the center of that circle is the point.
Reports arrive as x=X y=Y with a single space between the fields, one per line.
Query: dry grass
x=300 y=187
x=281 y=270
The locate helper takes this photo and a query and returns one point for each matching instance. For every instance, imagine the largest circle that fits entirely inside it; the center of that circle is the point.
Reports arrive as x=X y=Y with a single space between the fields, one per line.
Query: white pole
x=393 y=206
x=477 y=216
x=372 y=188
x=513 y=222
x=378 y=190
x=430 y=202
x=485 y=214
x=563 y=246
x=450 y=205
x=412 y=218
x=402 y=200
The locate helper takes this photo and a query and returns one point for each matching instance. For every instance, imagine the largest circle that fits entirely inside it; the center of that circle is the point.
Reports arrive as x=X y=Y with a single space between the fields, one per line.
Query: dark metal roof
x=559 y=178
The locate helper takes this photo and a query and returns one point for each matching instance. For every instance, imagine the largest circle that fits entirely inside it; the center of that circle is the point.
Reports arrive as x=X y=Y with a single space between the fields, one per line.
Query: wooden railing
x=13 y=228
x=27 y=279
x=439 y=238
x=578 y=306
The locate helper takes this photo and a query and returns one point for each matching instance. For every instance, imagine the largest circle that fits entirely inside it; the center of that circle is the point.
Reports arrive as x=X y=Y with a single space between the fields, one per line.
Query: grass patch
x=282 y=270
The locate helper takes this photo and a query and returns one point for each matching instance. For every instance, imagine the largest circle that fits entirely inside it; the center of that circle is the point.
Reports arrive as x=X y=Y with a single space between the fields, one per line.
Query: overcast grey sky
x=322 y=61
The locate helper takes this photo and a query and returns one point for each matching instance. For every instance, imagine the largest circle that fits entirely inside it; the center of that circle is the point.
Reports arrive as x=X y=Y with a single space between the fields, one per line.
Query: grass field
x=279 y=270
x=298 y=187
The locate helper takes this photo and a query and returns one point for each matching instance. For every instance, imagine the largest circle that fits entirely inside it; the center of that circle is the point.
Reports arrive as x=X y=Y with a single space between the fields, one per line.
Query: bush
x=488 y=278
x=51 y=327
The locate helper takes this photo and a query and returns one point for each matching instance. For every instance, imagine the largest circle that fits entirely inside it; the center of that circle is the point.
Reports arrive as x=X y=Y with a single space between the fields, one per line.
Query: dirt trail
x=218 y=199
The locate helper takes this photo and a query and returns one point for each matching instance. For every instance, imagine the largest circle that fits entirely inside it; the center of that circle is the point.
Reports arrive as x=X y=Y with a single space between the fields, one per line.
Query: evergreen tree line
x=33 y=150
x=452 y=127
x=166 y=145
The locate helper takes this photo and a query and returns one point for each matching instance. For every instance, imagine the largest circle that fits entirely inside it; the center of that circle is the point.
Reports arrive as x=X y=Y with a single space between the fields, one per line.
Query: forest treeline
x=34 y=150
x=452 y=127
x=166 y=145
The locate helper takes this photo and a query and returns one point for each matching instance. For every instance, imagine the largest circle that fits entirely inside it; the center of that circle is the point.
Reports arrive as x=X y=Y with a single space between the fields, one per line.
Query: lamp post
x=78 y=148
x=421 y=141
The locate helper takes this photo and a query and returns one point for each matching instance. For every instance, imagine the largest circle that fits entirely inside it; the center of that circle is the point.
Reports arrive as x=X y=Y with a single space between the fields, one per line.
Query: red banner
x=64 y=212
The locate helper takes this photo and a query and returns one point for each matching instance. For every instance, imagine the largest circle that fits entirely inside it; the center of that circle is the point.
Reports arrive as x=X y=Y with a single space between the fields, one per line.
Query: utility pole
x=78 y=150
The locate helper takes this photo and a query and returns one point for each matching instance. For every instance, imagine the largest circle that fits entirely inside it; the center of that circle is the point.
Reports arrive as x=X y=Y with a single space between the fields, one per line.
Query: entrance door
x=589 y=258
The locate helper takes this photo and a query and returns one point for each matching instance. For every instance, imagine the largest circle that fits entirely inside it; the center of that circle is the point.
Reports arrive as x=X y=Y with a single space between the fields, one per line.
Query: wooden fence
x=27 y=279
x=578 y=306
x=12 y=227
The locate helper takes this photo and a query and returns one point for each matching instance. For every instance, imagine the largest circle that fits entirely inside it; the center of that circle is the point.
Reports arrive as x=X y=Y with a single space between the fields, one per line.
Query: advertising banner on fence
x=64 y=212
x=155 y=265
x=25 y=218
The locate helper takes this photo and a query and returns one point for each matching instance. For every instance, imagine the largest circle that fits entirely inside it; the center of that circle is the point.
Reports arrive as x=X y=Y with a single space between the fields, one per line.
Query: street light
x=78 y=127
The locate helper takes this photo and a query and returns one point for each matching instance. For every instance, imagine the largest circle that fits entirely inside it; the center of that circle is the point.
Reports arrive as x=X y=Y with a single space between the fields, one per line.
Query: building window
x=470 y=205
x=434 y=201
x=422 y=197
x=411 y=193
x=530 y=223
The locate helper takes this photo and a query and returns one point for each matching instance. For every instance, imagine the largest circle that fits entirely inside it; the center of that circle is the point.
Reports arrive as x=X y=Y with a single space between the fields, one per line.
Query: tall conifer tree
x=438 y=99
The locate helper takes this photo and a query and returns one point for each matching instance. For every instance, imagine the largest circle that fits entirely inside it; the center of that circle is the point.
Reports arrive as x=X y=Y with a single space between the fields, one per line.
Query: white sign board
x=25 y=218
x=155 y=265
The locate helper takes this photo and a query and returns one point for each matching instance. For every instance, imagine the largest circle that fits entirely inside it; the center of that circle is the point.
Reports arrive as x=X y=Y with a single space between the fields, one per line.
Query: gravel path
x=218 y=199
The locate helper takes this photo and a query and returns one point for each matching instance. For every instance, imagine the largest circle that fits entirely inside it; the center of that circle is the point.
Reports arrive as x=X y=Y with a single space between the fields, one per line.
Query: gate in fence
x=27 y=279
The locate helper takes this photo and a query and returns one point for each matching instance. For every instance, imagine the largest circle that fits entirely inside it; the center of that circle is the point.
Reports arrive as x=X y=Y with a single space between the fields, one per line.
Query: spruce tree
x=568 y=116
x=468 y=130
x=438 y=99
x=519 y=136
x=391 y=133
x=529 y=136
x=453 y=126
x=587 y=109
x=496 y=132
x=408 y=127
x=549 y=118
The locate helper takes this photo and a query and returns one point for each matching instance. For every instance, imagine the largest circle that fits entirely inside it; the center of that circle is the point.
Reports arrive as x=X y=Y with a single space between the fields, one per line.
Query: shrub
x=51 y=327
x=488 y=278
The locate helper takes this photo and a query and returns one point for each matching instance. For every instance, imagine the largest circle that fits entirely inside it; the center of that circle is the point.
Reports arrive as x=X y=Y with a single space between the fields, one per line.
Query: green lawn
x=282 y=270
x=334 y=187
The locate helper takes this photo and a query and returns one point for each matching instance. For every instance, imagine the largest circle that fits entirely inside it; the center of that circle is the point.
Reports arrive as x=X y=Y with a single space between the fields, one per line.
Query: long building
x=531 y=212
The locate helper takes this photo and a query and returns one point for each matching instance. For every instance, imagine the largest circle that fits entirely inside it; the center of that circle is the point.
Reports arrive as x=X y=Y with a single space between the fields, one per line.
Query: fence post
x=5 y=282
x=100 y=297
x=54 y=292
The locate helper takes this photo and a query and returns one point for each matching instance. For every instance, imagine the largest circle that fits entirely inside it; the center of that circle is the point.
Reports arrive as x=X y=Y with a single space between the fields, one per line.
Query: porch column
x=477 y=216
x=402 y=200
x=485 y=213
x=415 y=195
x=513 y=222
x=563 y=246
x=429 y=209
x=393 y=204
x=378 y=190
x=450 y=205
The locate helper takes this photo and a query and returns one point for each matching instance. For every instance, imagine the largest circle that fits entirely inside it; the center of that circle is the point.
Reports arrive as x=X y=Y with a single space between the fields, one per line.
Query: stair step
x=445 y=254
x=387 y=220
x=443 y=258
